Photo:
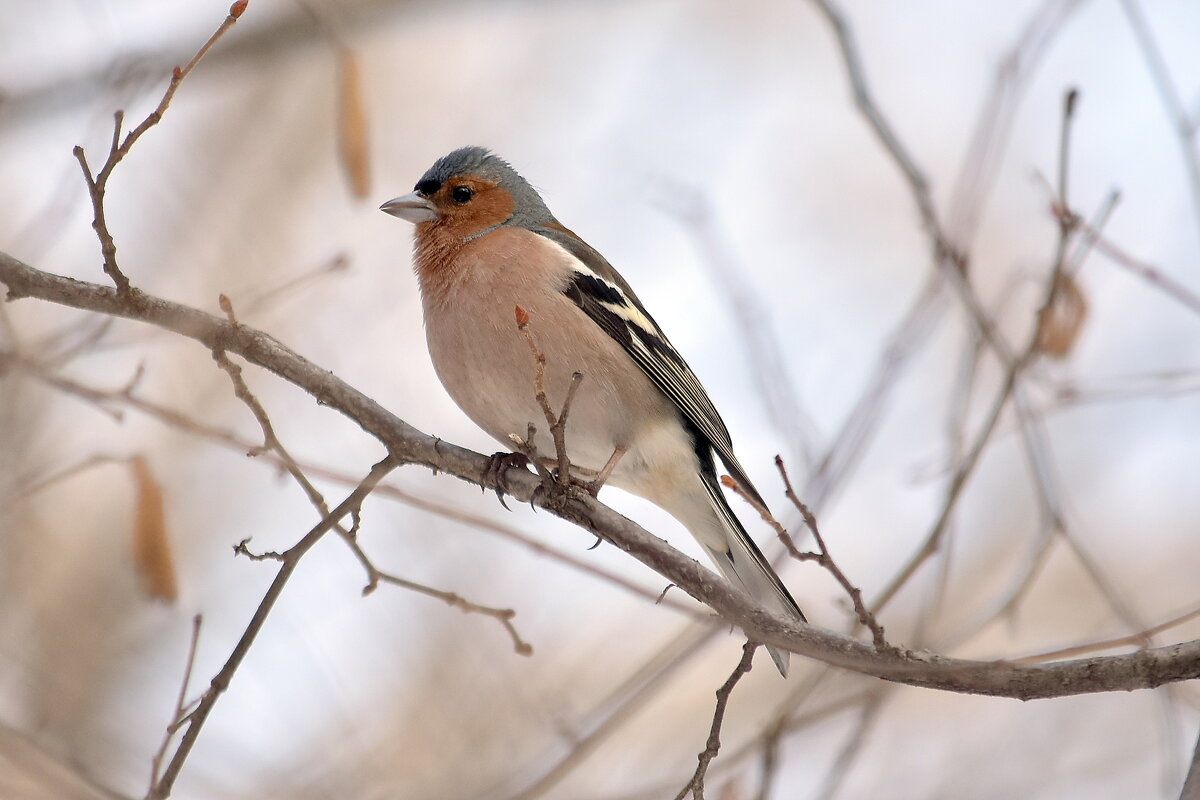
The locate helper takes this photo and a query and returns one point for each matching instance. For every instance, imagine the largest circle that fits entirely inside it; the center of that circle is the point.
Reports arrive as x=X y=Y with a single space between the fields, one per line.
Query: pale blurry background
x=629 y=117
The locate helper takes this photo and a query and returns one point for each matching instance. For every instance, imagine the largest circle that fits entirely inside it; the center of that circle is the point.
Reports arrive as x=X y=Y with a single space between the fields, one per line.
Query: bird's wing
x=602 y=294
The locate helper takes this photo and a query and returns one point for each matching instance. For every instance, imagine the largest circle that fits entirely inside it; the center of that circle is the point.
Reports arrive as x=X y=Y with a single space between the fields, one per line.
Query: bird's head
x=467 y=193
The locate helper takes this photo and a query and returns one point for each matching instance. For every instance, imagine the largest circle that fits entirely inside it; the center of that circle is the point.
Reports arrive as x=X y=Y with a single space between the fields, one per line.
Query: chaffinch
x=486 y=243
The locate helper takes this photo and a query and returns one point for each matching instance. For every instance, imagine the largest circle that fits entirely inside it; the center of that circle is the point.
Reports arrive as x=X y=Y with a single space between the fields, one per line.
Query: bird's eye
x=462 y=194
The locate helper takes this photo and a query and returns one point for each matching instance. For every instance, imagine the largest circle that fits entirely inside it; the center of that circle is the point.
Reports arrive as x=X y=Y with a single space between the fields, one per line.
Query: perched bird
x=486 y=243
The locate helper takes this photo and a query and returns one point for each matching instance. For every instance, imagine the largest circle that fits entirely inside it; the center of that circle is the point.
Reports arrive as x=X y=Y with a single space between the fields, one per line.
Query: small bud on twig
x=227 y=306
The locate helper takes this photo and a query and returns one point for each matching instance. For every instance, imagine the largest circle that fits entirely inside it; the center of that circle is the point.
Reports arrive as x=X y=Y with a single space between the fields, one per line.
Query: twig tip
x=227 y=307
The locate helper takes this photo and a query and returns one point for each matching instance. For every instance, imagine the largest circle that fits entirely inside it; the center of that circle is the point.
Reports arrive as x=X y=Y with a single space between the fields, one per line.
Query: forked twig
x=179 y=717
x=1013 y=372
x=822 y=558
x=557 y=422
x=97 y=183
x=272 y=444
x=290 y=559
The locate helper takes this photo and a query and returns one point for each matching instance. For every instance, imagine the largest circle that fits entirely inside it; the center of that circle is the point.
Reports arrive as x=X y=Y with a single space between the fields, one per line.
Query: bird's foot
x=496 y=471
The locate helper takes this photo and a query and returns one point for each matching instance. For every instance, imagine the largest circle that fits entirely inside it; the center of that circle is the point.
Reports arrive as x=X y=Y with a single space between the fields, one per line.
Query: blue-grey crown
x=529 y=208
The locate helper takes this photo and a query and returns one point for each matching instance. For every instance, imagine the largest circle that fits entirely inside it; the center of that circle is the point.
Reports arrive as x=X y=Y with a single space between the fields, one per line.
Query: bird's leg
x=496 y=471
x=544 y=468
x=593 y=487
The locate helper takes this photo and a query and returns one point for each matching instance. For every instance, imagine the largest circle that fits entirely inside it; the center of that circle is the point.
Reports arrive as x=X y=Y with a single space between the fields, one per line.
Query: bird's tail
x=744 y=565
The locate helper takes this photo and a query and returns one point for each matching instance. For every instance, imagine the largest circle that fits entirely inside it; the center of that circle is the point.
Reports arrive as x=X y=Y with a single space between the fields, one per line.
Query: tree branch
x=220 y=682
x=713 y=745
x=1144 y=669
x=97 y=183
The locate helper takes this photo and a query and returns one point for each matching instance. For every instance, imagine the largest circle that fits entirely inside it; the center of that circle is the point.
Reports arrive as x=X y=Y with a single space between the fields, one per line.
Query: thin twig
x=826 y=560
x=1147 y=272
x=617 y=707
x=1182 y=123
x=272 y=443
x=769 y=739
x=339 y=263
x=1013 y=372
x=270 y=440
x=695 y=786
x=375 y=576
x=879 y=124
x=503 y=615
x=991 y=134
x=768 y=763
x=557 y=422
x=948 y=257
x=97 y=183
x=221 y=681
x=177 y=718
x=1138 y=639
x=29 y=486
x=181 y=422
x=822 y=557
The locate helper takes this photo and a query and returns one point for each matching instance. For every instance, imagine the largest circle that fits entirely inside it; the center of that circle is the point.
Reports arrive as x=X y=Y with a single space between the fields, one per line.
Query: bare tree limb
x=1145 y=669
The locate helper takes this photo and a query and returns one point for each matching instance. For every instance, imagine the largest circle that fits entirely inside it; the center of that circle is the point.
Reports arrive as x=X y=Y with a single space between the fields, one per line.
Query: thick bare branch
x=1145 y=669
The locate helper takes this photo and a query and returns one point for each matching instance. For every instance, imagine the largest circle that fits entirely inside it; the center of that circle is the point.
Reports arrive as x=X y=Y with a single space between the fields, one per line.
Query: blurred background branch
x=874 y=362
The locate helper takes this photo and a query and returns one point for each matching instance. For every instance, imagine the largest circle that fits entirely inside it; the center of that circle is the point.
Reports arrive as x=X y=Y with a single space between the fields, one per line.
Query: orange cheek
x=490 y=206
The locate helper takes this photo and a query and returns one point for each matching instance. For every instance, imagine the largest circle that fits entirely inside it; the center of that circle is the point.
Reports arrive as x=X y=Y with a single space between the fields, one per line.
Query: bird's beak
x=412 y=207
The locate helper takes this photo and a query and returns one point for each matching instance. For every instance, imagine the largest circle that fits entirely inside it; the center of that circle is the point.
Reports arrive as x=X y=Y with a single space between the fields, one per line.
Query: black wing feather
x=597 y=295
